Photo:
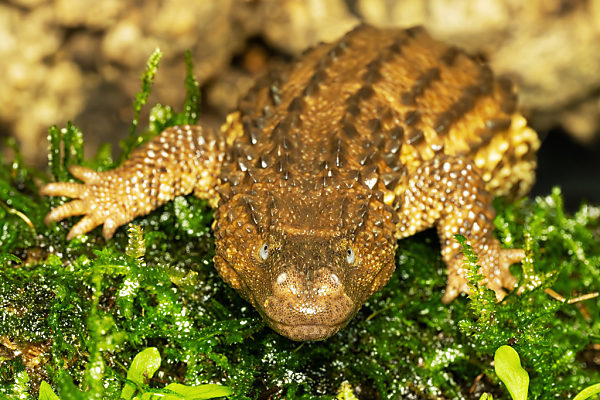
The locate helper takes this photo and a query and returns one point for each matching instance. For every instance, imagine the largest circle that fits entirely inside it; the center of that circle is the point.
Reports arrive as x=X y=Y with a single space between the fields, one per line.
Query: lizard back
x=391 y=98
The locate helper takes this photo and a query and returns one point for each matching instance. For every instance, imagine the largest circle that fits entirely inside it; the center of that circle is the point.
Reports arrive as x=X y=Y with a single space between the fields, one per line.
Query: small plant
x=143 y=367
x=507 y=365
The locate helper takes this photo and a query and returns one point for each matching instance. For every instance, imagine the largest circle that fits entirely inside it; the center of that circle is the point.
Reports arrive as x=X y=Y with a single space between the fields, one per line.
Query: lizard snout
x=308 y=284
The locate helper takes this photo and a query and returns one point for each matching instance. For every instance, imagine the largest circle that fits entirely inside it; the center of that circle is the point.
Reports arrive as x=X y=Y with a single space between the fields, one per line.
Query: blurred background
x=81 y=60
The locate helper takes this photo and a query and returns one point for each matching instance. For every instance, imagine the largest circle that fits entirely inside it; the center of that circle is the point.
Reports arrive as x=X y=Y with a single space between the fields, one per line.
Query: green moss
x=97 y=304
x=140 y=100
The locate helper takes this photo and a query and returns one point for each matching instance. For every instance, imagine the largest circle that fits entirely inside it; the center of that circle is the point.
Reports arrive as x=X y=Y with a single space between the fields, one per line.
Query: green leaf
x=587 y=392
x=508 y=368
x=46 y=392
x=199 y=392
x=160 y=395
x=143 y=367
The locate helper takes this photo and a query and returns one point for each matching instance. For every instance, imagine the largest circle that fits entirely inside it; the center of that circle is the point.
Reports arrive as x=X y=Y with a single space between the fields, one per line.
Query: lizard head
x=306 y=259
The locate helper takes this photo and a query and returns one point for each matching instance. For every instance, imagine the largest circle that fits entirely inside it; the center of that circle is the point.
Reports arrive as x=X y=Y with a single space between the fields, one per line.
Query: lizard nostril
x=309 y=285
x=330 y=283
x=335 y=281
x=282 y=278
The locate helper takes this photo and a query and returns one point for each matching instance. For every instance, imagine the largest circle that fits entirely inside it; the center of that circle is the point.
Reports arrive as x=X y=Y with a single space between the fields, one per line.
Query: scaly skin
x=325 y=165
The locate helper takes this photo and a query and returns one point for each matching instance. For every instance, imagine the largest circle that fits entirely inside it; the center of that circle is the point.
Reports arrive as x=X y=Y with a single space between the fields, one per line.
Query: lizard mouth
x=316 y=321
x=304 y=332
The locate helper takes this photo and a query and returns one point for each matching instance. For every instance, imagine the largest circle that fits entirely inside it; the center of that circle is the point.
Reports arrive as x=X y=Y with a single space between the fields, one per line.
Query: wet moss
x=76 y=313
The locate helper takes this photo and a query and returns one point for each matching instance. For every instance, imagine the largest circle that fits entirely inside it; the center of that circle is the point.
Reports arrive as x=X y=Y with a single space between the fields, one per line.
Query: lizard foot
x=95 y=199
x=495 y=267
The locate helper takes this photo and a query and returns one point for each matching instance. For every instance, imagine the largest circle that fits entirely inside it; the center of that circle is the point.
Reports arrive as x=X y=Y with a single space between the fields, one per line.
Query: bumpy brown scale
x=325 y=165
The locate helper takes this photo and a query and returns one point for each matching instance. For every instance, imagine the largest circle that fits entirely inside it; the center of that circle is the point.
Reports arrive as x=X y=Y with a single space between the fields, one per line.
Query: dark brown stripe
x=353 y=100
x=415 y=31
x=395 y=48
x=353 y=109
x=450 y=56
x=365 y=93
x=408 y=99
x=429 y=76
x=372 y=76
x=421 y=83
x=458 y=109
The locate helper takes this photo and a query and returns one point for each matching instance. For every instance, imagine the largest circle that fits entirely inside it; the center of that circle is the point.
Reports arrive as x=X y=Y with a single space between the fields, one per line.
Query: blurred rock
x=295 y=25
x=91 y=14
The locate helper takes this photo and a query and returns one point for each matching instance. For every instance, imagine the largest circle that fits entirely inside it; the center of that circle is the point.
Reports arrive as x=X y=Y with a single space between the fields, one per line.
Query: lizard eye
x=350 y=256
x=264 y=251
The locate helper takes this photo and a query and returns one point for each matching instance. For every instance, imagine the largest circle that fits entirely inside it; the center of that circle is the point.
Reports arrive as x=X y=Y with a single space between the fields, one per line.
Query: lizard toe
x=72 y=208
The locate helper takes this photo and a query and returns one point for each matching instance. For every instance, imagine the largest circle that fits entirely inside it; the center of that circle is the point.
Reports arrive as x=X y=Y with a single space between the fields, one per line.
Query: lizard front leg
x=450 y=194
x=180 y=160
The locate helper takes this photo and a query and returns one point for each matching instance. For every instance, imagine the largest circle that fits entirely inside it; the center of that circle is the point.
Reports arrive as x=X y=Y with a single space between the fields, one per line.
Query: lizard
x=326 y=165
